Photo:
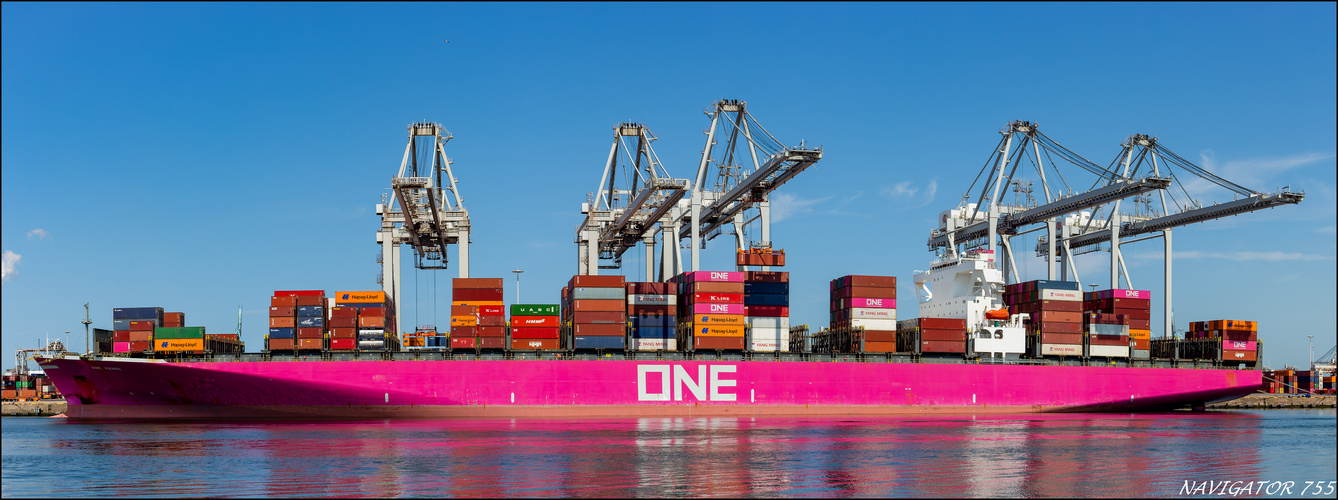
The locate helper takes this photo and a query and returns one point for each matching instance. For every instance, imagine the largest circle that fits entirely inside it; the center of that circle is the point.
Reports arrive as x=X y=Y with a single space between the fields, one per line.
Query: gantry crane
x=967 y=226
x=738 y=190
x=1141 y=152
x=421 y=214
x=617 y=219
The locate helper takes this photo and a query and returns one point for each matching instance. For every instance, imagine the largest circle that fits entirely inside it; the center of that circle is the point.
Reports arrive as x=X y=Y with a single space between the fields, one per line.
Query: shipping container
x=600 y=317
x=189 y=332
x=476 y=294
x=597 y=329
x=534 y=343
x=599 y=305
x=151 y=313
x=464 y=342
x=535 y=310
x=173 y=345
x=1108 y=351
x=368 y=297
x=1061 y=349
x=284 y=322
x=535 y=332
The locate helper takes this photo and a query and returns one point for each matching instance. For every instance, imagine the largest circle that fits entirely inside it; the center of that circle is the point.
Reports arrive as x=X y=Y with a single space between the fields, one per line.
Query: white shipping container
x=654 y=344
x=875 y=324
x=869 y=313
x=768 y=322
x=1109 y=351
x=769 y=346
x=1095 y=329
x=640 y=299
x=772 y=334
x=1062 y=349
x=1061 y=295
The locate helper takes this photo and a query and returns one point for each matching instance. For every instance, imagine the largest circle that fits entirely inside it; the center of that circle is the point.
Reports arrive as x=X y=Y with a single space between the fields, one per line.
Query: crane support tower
x=617 y=219
x=1142 y=153
x=421 y=214
x=741 y=193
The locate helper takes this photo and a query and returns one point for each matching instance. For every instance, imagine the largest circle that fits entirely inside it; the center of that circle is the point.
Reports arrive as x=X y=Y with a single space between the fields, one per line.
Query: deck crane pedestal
x=1141 y=152
x=617 y=219
x=739 y=191
x=420 y=213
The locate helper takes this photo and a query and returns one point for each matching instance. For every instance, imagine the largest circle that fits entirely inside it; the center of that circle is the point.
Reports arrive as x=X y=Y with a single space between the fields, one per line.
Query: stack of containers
x=1240 y=339
x=1134 y=305
x=343 y=327
x=1056 y=315
x=373 y=317
x=311 y=321
x=490 y=318
x=711 y=310
x=282 y=322
x=296 y=320
x=1107 y=335
x=652 y=312
x=870 y=303
x=132 y=329
x=535 y=326
x=932 y=335
x=598 y=306
x=174 y=319
x=766 y=310
x=464 y=327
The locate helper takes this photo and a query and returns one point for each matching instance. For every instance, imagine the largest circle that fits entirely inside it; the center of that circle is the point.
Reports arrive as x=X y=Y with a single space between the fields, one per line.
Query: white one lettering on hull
x=675 y=381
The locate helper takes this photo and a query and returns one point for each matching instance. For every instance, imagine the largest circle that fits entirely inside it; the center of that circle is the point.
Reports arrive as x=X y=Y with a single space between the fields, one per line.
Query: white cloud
x=1329 y=229
x=914 y=196
x=10 y=260
x=1250 y=173
x=1241 y=256
x=786 y=205
x=899 y=190
x=40 y=233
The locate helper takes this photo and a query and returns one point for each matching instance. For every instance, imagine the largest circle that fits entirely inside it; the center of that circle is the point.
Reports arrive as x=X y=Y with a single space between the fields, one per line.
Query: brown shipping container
x=599 y=330
x=597 y=281
x=1131 y=313
x=310 y=344
x=652 y=310
x=878 y=281
x=705 y=343
x=492 y=321
x=1108 y=340
x=9 y=394
x=464 y=310
x=371 y=322
x=1053 y=327
x=373 y=311
x=285 y=301
x=526 y=344
x=121 y=336
x=466 y=283
x=599 y=305
x=1228 y=356
x=464 y=331
x=174 y=317
x=1139 y=324
x=287 y=322
x=310 y=333
x=715 y=286
x=943 y=324
x=1061 y=338
x=599 y=317
x=282 y=311
x=1057 y=317
x=491 y=331
x=476 y=294
x=343 y=312
x=141 y=326
x=344 y=322
x=650 y=288
x=309 y=300
x=942 y=346
x=140 y=346
x=141 y=336
x=766 y=277
x=492 y=342
x=343 y=333
x=943 y=335
x=866 y=292
x=1058 y=305
x=879 y=335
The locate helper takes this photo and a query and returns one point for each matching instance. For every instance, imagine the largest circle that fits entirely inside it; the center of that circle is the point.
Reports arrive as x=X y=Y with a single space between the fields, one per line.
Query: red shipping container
x=1229 y=356
x=652 y=310
x=766 y=276
x=464 y=310
x=1056 y=317
x=1061 y=338
x=597 y=281
x=862 y=280
x=599 y=305
x=464 y=331
x=295 y=293
x=343 y=343
x=529 y=343
x=865 y=292
x=942 y=346
x=372 y=311
x=767 y=311
x=371 y=322
x=1139 y=324
x=140 y=345
x=121 y=336
x=879 y=335
x=1117 y=303
x=715 y=287
x=708 y=343
x=651 y=288
x=285 y=301
x=281 y=344
x=492 y=321
x=599 y=317
x=492 y=343
x=142 y=325
x=173 y=324
x=343 y=312
x=344 y=322
x=464 y=342
x=1239 y=335
x=309 y=300
x=534 y=321
x=465 y=283
x=600 y=330
x=716 y=298
x=343 y=333
x=473 y=294
x=942 y=324
x=1058 y=305
x=1054 y=327
x=174 y=317
x=310 y=344
x=310 y=333
x=491 y=331
x=491 y=310
x=521 y=332
x=287 y=322
x=1108 y=340
x=943 y=335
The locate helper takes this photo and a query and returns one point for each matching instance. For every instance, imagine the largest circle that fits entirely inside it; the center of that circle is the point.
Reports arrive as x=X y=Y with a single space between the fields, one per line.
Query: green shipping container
x=535 y=309
x=178 y=332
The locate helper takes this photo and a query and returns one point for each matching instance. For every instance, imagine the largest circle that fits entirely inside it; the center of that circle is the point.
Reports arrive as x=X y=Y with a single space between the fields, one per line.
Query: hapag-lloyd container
x=710 y=308
x=1237 y=345
x=719 y=319
x=703 y=330
x=714 y=276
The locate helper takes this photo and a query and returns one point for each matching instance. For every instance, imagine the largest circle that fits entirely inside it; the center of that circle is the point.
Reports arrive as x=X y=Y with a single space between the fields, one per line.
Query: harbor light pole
x=517 y=284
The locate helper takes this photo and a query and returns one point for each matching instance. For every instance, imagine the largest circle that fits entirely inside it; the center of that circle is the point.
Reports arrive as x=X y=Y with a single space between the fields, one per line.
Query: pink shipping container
x=120 y=347
x=868 y=303
x=731 y=309
x=1239 y=345
x=1123 y=294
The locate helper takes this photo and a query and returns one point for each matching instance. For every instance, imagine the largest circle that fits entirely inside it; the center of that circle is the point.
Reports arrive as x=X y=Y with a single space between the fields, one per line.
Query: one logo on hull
x=675 y=380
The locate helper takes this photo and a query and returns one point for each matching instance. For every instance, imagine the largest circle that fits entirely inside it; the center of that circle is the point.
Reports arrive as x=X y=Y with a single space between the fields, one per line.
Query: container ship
x=702 y=344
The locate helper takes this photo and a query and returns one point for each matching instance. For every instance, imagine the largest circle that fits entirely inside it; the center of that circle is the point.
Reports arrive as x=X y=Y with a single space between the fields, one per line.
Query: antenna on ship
x=517 y=271
x=239 y=322
x=86 y=322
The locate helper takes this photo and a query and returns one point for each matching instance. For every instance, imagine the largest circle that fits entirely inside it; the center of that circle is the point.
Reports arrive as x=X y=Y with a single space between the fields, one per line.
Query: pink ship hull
x=569 y=388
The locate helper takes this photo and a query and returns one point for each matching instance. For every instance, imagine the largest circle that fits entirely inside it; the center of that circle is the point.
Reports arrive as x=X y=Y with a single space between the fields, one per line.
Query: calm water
x=1148 y=455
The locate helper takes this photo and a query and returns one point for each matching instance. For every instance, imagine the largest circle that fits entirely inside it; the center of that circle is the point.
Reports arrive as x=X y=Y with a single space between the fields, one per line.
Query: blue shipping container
x=653 y=333
x=282 y=333
x=766 y=300
x=1057 y=285
x=312 y=322
x=641 y=321
x=310 y=311
x=138 y=313
x=766 y=288
x=121 y=324
x=599 y=342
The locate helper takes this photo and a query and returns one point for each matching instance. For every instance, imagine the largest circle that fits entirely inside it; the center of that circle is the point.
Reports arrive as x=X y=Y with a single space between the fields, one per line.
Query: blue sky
x=199 y=156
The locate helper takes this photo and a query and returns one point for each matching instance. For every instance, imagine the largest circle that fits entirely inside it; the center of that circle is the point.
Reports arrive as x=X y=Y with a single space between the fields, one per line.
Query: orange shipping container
x=598 y=305
x=1239 y=356
x=287 y=322
x=1231 y=324
x=360 y=297
x=468 y=320
x=172 y=345
x=310 y=344
x=286 y=301
x=713 y=330
x=371 y=322
x=1140 y=334
x=476 y=283
x=141 y=336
